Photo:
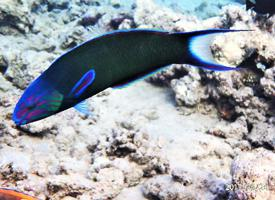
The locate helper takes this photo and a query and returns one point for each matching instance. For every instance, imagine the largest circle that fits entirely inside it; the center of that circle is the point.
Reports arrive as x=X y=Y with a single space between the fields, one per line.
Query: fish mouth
x=19 y=114
x=22 y=116
x=18 y=121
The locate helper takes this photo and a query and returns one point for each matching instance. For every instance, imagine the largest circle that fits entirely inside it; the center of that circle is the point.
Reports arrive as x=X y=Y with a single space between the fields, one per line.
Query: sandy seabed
x=184 y=133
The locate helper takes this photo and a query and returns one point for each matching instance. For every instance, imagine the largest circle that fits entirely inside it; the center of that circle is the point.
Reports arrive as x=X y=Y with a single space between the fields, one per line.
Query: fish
x=261 y=6
x=114 y=60
x=9 y=194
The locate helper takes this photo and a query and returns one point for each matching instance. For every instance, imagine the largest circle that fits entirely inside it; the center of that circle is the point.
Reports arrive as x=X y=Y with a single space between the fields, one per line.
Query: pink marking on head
x=34 y=113
x=21 y=113
x=37 y=98
x=30 y=98
x=41 y=103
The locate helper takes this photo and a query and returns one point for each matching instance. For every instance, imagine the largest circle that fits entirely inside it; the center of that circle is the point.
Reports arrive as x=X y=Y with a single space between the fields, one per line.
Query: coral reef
x=189 y=134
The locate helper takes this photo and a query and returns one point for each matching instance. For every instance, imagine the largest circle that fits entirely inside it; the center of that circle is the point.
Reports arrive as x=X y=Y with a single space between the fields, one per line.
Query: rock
x=101 y=162
x=110 y=183
x=68 y=198
x=168 y=188
x=3 y=64
x=267 y=82
x=148 y=13
x=110 y=175
x=243 y=96
x=5 y=86
x=62 y=186
x=237 y=129
x=26 y=68
x=128 y=142
x=262 y=134
x=164 y=188
x=164 y=77
x=181 y=176
x=90 y=20
x=238 y=146
x=132 y=172
x=12 y=156
x=72 y=39
x=188 y=90
x=253 y=175
x=14 y=20
x=62 y=4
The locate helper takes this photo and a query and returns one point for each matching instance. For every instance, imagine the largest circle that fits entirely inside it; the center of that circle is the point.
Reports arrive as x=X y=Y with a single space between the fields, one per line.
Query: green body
x=108 y=61
x=116 y=58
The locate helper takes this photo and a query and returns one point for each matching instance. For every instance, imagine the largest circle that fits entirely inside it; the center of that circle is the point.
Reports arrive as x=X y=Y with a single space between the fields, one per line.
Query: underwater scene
x=137 y=100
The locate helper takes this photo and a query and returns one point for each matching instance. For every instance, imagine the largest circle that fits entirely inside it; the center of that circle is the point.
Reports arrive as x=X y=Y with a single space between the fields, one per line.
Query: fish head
x=39 y=100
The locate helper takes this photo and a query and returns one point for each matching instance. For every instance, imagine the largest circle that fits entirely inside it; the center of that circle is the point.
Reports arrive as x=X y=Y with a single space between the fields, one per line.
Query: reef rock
x=188 y=90
x=126 y=142
x=14 y=20
x=268 y=83
x=262 y=134
x=253 y=175
x=237 y=129
x=164 y=188
x=185 y=184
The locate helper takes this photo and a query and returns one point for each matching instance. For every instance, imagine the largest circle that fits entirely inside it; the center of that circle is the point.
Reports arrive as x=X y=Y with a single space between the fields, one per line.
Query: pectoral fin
x=86 y=80
x=83 y=107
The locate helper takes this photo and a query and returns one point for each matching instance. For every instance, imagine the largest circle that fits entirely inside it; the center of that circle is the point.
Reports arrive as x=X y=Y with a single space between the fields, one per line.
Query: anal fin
x=139 y=77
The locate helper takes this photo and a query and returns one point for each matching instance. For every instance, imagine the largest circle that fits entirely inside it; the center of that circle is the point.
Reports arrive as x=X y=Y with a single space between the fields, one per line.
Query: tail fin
x=250 y=4
x=198 y=48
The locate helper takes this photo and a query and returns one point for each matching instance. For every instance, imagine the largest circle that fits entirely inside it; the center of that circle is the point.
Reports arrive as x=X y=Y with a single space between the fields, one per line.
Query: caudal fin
x=249 y=4
x=199 y=51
